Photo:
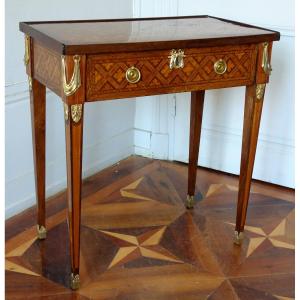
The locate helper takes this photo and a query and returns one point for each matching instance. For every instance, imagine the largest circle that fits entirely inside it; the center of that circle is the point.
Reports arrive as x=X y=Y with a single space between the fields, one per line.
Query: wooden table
x=97 y=60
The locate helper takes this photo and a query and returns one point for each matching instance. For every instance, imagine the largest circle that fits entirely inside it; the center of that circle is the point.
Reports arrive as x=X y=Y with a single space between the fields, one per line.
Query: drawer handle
x=133 y=75
x=176 y=59
x=220 y=66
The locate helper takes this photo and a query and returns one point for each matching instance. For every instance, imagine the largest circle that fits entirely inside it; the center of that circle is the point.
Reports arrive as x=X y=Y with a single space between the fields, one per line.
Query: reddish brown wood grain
x=107 y=49
x=58 y=202
x=74 y=133
x=47 y=67
x=210 y=266
x=252 y=116
x=119 y=35
x=74 y=136
x=197 y=104
x=38 y=119
x=106 y=72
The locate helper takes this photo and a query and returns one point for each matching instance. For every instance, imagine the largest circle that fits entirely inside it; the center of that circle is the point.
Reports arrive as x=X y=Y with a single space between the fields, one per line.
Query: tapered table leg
x=197 y=103
x=74 y=131
x=38 y=119
x=252 y=115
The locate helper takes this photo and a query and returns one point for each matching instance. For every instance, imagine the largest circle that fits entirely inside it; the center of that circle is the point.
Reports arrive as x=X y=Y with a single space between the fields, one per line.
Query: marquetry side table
x=96 y=60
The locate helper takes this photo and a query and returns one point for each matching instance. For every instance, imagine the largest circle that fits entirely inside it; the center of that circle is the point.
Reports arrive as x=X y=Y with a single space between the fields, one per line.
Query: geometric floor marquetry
x=139 y=242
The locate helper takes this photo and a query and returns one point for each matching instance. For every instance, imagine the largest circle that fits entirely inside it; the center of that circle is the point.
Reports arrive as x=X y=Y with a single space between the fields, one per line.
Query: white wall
x=152 y=126
x=154 y=117
x=108 y=129
x=166 y=134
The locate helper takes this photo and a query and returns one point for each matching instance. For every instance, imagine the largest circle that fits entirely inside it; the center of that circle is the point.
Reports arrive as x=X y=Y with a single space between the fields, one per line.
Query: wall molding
x=18 y=92
x=151 y=144
x=136 y=8
x=60 y=185
x=230 y=144
x=266 y=138
x=97 y=155
x=158 y=8
x=89 y=168
x=170 y=8
x=145 y=138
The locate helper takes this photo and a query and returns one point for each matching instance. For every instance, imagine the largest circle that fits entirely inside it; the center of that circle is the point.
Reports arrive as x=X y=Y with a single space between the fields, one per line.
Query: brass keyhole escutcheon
x=220 y=66
x=133 y=75
x=176 y=59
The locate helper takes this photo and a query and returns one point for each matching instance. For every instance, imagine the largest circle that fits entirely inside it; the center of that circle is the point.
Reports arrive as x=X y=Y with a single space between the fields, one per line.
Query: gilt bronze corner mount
x=260 y=91
x=266 y=65
x=75 y=82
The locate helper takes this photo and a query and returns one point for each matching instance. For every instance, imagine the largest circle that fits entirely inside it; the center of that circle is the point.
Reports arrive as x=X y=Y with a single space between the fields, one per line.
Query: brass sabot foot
x=41 y=232
x=238 y=237
x=74 y=281
x=189 y=201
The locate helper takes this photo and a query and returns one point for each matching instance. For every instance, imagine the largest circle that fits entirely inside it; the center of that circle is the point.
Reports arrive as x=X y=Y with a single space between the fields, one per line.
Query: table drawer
x=106 y=73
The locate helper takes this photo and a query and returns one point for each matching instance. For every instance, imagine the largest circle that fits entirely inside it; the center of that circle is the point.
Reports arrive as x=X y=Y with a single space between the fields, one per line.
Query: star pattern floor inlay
x=145 y=245
x=139 y=242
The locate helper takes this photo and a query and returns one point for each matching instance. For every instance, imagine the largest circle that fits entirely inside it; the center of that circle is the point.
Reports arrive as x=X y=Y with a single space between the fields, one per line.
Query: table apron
x=106 y=73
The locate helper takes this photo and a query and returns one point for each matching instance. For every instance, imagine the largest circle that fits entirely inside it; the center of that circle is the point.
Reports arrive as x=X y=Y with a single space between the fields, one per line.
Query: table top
x=122 y=35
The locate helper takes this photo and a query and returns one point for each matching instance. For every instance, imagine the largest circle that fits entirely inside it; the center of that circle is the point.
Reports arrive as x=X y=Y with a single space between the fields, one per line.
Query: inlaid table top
x=97 y=60
x=94 y=36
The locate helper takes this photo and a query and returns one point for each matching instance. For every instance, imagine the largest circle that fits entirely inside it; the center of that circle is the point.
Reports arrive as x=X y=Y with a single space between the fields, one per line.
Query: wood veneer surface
x=94 y=36
x=139 y=242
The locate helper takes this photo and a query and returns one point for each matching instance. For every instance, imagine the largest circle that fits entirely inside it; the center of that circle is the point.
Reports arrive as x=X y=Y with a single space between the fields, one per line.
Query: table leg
x=74 y=131
x=252 y=115
x=38 y=119
x=197 y=102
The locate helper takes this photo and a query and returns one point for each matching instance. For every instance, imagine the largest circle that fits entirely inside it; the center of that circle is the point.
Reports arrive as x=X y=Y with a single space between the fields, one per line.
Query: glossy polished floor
x=139 y=242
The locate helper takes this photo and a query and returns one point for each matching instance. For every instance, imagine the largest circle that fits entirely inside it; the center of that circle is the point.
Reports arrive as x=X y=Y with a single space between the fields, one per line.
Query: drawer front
x=106 y=73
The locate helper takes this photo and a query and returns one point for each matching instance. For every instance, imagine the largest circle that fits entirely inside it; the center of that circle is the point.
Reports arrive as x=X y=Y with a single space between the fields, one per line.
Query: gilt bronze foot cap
x=41 y=232
x=238 y=237
x=189 y=201
x=74 y=281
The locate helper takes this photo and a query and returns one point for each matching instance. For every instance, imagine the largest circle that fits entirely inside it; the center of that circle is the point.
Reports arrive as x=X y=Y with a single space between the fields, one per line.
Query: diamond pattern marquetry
x=47 y=67
x=139 y=242
x=106 y=73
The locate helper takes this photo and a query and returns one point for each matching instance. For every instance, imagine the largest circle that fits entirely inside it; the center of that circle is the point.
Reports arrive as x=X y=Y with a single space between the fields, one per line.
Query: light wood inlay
x=106 y=73
x=253 y=244
x=280 y=229
x=128 y=238
x=138 y=257
x=144 y=247
x=155 y=238
x=13 y=267
x=220 y=187
x=121 y=254
x=21 y=249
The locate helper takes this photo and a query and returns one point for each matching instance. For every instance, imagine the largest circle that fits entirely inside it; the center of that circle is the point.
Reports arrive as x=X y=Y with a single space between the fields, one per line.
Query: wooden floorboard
x=139 y=242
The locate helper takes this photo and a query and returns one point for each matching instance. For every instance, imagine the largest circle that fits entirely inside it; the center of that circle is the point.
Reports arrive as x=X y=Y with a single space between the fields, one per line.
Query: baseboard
x=221 y=150
x=151 y=144
x=96 y=156
x=145 y=152
x=121 y=151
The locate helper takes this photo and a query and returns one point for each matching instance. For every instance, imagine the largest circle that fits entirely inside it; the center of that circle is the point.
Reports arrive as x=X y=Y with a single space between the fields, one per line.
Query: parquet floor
x=139 y=242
